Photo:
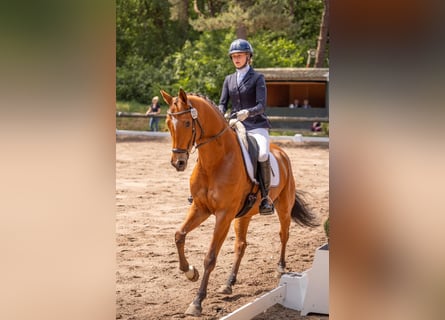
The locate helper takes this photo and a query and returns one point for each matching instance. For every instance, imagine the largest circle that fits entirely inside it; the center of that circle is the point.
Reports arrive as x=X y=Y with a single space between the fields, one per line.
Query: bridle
x=195 y=121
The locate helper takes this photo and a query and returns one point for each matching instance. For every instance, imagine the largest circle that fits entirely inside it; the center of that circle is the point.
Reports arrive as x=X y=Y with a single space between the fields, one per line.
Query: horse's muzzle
x=179 y=162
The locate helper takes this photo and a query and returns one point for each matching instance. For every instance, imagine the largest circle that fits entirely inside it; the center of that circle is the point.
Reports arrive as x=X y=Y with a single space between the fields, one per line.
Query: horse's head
x=180 y=123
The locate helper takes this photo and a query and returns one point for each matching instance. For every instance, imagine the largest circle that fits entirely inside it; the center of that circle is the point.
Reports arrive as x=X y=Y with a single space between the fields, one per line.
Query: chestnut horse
x=220 y=184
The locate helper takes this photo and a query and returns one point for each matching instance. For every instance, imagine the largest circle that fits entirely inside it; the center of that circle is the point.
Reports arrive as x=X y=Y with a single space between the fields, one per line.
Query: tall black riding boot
x=266 y=205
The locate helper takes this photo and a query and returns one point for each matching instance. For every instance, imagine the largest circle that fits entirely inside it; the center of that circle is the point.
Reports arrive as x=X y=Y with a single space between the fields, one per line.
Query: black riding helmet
x=240 y=45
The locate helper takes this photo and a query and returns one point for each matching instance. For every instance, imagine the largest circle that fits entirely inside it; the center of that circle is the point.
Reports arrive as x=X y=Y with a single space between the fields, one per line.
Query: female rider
x=246 y=90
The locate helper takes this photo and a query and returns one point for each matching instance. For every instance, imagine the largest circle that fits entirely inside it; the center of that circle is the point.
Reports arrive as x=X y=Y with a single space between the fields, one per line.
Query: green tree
x=144 y=29
x=247 y=17
x=307 y=16
x=270 y=20
x=145 y=35
x=201 y=65
x=323 y=36
x=272 y=51
x=134 y=80
x=184 y=43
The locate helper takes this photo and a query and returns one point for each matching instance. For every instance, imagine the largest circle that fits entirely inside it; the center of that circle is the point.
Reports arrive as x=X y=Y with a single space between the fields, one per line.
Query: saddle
x=249 y=150
x=251 y=146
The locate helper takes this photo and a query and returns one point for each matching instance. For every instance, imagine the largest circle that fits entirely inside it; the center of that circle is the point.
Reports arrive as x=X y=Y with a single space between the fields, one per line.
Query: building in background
x=284 y=85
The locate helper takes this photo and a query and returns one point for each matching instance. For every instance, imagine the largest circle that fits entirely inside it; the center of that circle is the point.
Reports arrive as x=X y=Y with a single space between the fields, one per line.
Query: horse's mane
x=209 y=101
x=213 y=104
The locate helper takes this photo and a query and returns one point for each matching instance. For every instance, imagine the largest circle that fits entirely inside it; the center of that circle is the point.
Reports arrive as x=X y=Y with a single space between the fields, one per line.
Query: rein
x=192 y=143
x=212 y=138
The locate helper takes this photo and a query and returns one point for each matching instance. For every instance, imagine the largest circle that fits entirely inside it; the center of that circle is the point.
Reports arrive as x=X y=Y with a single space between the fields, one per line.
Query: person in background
x=295 y=104
x=154 y=109
x=246 y=89
x=306 y=104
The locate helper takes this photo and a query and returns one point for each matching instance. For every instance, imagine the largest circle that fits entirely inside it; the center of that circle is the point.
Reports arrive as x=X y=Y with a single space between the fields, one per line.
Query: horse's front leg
x=241 y=225
x=222 y=226
x=194 y=218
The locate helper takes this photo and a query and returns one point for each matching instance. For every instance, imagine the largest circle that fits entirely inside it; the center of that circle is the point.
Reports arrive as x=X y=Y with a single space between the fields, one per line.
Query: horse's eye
x=187 y=124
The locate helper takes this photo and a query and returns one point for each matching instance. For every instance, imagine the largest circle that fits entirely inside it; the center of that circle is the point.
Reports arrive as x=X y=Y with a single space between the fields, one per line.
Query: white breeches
x=261 y=136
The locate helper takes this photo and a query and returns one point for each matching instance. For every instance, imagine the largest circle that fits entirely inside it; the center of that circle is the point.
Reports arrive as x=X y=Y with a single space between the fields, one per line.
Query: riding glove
x=242 y=115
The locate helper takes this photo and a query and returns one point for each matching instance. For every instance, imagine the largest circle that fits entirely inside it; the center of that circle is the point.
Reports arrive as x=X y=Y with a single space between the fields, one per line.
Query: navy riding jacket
x=250 y=94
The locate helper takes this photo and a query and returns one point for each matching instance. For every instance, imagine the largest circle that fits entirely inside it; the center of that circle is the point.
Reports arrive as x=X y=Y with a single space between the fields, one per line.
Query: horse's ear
x=167 y=97
x=182 y=95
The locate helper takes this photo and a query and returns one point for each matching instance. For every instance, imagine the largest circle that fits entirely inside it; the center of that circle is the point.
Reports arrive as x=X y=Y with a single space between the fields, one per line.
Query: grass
x=131 y=106
x=303 y=132
x=136 y=124
x=289 y=132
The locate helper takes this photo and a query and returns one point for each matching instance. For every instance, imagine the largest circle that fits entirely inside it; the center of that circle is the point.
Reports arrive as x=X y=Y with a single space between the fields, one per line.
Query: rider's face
x=239 y=59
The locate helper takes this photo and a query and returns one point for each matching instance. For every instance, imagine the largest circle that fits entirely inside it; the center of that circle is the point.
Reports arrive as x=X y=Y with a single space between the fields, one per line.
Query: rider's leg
x=262 y=138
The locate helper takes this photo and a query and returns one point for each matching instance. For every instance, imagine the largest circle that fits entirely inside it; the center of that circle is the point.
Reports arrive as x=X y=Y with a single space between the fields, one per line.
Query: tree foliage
x=168 y=44
x=248 y=17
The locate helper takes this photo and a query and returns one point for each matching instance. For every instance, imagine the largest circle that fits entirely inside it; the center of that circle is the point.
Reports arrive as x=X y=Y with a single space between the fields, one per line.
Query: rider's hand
x=242 y=115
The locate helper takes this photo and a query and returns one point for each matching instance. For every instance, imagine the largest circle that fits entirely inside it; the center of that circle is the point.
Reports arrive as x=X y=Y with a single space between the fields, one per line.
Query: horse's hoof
x=225 y=289
x=193 y=310
x=192 y=274
x=280 y=271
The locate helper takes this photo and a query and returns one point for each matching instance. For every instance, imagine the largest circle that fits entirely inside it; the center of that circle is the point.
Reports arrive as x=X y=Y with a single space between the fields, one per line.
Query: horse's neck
x=215 y=153
x=211 y=121
x=218 y=139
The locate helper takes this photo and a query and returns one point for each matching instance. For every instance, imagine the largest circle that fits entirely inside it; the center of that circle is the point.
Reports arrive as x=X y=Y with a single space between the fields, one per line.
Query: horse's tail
x=301 y=214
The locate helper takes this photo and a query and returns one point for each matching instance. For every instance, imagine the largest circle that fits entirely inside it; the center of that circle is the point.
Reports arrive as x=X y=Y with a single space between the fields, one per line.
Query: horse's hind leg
x=194 y=219
x=241 y=225
x=283 y=210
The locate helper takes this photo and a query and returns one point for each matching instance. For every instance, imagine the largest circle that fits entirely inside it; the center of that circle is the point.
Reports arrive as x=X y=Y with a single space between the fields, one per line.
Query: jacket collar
x=246 y=77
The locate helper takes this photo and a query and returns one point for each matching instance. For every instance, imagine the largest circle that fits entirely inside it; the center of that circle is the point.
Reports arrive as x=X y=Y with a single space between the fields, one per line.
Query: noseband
x=192 y=143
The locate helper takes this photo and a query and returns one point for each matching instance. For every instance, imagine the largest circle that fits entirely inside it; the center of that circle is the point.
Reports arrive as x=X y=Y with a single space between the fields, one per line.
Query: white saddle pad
x=275 y=171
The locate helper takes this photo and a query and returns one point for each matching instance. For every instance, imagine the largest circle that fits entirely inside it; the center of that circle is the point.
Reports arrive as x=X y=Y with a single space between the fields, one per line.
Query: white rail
x=261 y=304
x=306 y=292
